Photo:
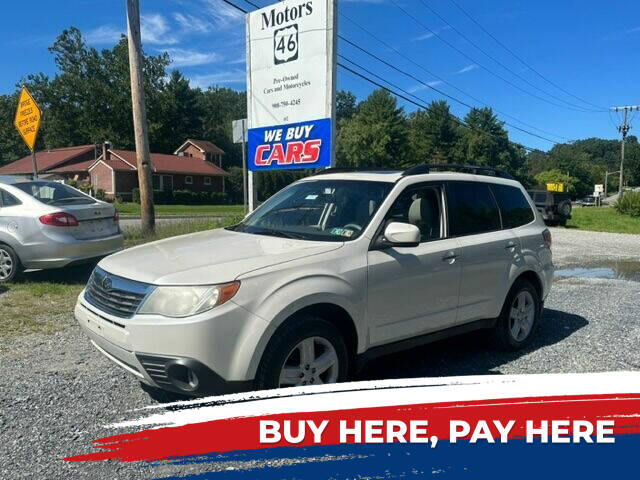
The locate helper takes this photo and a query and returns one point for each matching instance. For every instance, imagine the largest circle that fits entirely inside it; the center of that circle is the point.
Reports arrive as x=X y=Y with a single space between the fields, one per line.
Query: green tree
x=432 y=134
x=376 y=136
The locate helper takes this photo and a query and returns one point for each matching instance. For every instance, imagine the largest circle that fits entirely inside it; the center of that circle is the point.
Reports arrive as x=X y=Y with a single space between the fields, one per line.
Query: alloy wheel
x=313 y=361
x=6 y=264
x=522 y=315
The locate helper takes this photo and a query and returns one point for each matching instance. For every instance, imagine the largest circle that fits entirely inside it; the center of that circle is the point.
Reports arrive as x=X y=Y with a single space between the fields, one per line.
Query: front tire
x=519 y=317
x=306 y=351
x=9 y=264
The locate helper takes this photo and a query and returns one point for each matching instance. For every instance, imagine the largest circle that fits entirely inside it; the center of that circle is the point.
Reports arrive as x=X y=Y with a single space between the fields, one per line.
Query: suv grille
x=115 y=295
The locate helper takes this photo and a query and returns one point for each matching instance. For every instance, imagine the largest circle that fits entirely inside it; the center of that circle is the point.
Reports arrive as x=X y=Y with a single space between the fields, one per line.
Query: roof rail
x=455 y=167
x=327 y=171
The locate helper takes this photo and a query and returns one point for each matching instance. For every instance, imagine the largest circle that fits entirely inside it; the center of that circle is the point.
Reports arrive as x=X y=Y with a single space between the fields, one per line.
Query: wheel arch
x=329 y=310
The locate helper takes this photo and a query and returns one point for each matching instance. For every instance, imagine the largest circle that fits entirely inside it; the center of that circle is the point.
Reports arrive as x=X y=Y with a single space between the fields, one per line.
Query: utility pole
x=606 y=180
x=624 y=130
x=143 y=159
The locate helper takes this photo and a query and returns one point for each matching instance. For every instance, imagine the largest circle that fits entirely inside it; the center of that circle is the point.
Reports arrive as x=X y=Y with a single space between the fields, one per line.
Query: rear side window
x=8 y=200
x=514 y=207
x=472 y=209
x=540 y=198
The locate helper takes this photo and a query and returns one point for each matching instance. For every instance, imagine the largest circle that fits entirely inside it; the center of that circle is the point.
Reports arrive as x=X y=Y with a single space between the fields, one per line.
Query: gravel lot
x=57 y=393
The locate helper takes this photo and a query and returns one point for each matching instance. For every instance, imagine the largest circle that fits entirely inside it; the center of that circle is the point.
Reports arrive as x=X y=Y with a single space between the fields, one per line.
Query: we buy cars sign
x=291 y=85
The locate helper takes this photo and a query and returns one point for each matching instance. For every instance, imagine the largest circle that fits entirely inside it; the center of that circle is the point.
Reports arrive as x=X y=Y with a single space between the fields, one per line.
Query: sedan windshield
x=54 y=193
x=329 y=210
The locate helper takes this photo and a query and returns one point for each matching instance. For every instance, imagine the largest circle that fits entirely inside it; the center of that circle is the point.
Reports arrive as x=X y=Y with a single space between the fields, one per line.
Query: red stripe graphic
x=236 y=434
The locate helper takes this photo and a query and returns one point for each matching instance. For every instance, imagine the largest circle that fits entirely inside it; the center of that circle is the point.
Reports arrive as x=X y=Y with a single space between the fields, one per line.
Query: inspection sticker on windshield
x=311 y=197
x=343 y=232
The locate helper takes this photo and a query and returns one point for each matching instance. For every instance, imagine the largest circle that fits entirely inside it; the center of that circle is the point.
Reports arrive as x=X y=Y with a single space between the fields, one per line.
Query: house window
x=207 y=180
x=188 y=180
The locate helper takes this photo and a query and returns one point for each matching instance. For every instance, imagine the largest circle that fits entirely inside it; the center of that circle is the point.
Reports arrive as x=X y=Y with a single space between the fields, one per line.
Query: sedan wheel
x=7 y=265
x=521 y=318
x=313 y=361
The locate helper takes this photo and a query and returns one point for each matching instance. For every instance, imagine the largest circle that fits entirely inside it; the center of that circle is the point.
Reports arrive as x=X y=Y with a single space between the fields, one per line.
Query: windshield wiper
x=278 y=233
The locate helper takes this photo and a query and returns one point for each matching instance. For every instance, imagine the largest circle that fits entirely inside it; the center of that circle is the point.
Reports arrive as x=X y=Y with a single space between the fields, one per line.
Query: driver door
x=414 y=290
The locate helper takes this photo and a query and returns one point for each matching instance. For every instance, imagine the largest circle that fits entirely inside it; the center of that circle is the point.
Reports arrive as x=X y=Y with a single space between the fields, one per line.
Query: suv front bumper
x=204 y=355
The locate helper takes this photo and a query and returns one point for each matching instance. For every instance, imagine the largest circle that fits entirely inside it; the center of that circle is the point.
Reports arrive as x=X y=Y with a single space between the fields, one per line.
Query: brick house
x=71 y=163
x=192 y=167
x=115 y=172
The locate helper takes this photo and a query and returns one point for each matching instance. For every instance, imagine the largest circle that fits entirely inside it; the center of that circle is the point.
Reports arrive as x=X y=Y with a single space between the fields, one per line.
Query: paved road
x=56 y=392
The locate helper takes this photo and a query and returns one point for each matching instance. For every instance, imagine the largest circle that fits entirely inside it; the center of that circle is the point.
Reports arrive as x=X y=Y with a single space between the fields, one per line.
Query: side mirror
x=398 y=234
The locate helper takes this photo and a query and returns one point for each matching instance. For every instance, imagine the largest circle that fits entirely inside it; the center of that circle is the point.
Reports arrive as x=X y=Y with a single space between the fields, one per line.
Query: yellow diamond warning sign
x=28 y=117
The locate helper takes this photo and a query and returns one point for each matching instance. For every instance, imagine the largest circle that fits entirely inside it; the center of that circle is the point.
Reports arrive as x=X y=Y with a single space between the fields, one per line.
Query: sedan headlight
x=186 y=301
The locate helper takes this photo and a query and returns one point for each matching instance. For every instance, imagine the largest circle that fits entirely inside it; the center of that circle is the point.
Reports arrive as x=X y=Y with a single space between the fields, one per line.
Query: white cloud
x=222 y=14
x=181 y=57
x=421 y=86
x=219 y=78
x=155 y=30
x=466 y=69
x=633 y=30
x=192 y=23
x=431 y=34
x=105 y=34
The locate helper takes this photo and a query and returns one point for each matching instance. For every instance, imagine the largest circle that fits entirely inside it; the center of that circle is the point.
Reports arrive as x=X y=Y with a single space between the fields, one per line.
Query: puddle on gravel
x=612 y=270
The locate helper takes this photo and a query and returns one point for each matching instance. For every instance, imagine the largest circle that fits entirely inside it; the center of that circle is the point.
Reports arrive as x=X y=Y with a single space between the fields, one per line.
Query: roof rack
x=455 y=167
x=327 y=171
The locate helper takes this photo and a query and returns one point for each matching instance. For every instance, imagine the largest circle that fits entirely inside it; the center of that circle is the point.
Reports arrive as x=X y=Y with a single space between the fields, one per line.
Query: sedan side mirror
x=398 y=234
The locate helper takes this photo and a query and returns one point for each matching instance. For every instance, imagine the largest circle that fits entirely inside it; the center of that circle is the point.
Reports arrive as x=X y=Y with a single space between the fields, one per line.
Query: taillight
x=116 y=218
x=59 y=219
x=546 y=236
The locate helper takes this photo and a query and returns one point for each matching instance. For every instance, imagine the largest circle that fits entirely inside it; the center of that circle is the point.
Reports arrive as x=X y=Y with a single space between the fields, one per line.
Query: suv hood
x=209 y=257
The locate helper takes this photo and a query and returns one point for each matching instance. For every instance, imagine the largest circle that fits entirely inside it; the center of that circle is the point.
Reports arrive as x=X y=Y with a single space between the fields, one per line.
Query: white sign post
x=239 y=129
x=291 y=86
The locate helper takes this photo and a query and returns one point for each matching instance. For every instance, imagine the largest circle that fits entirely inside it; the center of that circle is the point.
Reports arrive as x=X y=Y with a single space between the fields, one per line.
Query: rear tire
x=519 y=316
x=10 y=265
x=307 y=351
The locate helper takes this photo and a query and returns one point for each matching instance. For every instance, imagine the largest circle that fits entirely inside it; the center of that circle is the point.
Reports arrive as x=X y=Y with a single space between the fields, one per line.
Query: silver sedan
x=50 y=225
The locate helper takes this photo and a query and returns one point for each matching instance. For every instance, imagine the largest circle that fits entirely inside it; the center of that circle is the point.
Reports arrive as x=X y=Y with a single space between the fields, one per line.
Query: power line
x=488 y=70
x=516 y=74
x=550 y=82
x=423 y=106
x=434 y=88
x=405 y=96
x=441 y=79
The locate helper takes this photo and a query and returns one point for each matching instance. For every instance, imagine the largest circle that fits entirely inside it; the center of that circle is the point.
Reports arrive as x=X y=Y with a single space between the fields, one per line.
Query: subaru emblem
x=107 y=284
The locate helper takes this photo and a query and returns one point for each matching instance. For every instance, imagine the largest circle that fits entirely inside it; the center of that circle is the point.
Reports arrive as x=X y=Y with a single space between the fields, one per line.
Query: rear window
x=54 y=193
x=8 y=200
x=514 y=207
x=472 y=209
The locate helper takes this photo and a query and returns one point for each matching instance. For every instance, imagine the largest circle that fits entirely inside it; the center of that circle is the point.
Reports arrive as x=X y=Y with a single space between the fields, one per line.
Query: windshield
x=329 y=210
x=54 y=193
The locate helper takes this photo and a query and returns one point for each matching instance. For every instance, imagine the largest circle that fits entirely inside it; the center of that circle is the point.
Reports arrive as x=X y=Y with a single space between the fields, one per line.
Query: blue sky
x=589 y=48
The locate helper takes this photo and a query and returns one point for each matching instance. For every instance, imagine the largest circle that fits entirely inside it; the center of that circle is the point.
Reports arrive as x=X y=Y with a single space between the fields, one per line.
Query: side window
x=472 y=209
x=514 y=208
x=420 y=206
x=8 y=200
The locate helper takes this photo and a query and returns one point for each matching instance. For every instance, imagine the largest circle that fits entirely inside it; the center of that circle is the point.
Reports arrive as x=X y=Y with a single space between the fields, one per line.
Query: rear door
x=414 y=290
x=488 y=250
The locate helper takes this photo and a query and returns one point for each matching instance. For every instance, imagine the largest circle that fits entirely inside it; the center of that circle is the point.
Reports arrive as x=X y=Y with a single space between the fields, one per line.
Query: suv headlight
x=185 y=301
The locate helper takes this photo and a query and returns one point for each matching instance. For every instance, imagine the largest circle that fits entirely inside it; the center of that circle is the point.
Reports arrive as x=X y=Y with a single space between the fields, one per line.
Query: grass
x=603 y=219
x=133 y=209
x=42 y=301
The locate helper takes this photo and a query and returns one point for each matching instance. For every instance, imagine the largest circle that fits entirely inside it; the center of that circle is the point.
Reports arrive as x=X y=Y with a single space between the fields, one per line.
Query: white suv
x=331 y=271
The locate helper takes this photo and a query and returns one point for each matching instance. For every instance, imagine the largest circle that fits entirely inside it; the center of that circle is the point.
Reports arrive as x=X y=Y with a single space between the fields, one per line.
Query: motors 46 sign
x=291 y=85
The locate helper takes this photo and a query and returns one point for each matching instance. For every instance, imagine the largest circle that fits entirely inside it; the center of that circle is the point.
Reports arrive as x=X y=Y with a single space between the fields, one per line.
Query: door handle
x=510 y=245
x=450 y=256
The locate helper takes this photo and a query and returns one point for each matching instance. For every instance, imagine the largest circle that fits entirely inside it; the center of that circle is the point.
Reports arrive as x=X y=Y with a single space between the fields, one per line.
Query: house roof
x=73 y=167
x=47 y=160
x=164 y=163
x=203 y=145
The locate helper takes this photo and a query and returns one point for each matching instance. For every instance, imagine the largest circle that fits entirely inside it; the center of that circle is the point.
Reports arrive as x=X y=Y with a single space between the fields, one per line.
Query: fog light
x=183 y=377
